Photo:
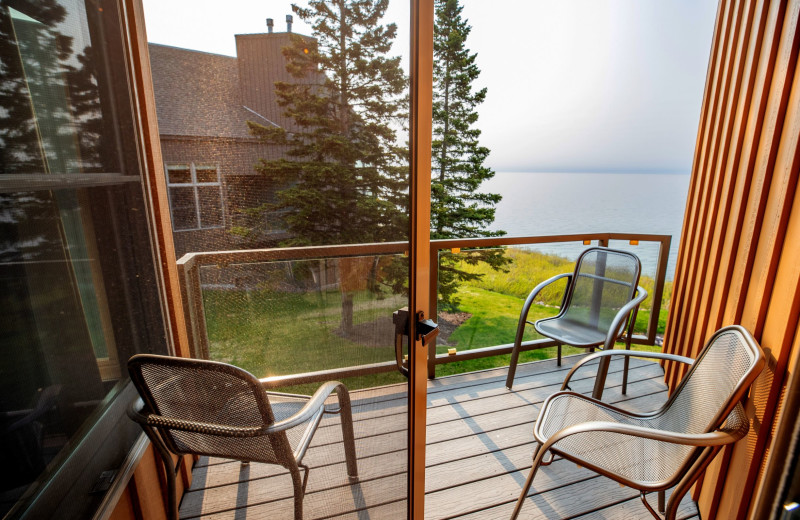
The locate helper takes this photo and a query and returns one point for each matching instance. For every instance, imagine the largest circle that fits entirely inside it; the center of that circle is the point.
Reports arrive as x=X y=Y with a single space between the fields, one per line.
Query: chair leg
x=661 y=499
x=600 y=380
x=512 y=364
x=559 y=355
x=627 y=361
x=625 y=375
x=299 y=491
x=688 y=481
x=347 y=430
x=538 y=455
x=172 y=490
x=647 y=505
x=169 y=470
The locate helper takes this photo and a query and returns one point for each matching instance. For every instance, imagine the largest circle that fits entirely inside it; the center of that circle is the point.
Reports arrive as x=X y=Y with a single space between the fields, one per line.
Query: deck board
x=479 y=452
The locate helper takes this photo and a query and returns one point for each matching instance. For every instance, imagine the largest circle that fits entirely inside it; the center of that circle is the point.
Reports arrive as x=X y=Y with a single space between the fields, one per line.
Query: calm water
x=561 y=203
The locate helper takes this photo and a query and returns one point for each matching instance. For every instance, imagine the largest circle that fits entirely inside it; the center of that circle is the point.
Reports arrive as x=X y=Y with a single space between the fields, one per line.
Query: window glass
x=77 y=286
x=179 y=174
x=210 y=206
x=206 y=174
x=184 y=209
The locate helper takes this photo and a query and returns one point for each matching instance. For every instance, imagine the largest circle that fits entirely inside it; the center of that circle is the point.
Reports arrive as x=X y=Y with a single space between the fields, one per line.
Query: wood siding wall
x=261 y=64
x=739 y=259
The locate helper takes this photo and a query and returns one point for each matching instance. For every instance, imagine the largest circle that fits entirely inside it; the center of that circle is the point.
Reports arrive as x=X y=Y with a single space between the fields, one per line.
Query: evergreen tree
x=458 y=210
x=346 y=175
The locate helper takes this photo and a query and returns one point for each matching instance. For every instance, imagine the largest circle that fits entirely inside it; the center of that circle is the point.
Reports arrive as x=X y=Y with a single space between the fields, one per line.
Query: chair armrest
x=536 y=290
x=311 y=408
x=717 y=437
x=222 y=430
x=308 y=411
x=608 y=353
x=622 y=315
x=523 y=315
x=135 y=411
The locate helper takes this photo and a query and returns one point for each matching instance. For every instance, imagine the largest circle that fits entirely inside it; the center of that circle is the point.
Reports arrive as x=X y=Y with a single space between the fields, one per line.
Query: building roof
x=198 y=94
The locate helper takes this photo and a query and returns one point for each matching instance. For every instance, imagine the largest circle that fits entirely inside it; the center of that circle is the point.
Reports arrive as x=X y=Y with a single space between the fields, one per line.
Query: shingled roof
x=198 y=94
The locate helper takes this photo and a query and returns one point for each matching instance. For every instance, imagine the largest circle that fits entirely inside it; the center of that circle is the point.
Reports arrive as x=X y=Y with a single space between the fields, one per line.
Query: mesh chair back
x=604 y=281
x=223 y=397
x=720 y=376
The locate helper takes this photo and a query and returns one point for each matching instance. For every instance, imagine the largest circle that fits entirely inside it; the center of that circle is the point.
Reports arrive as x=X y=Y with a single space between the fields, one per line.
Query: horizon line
x=621 y=171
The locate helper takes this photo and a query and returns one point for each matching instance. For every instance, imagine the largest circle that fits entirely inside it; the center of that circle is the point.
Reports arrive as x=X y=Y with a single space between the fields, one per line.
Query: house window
x=195 y=196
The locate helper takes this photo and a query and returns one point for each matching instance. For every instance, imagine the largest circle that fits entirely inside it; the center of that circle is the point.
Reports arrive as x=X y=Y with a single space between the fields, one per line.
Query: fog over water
x=563 y=203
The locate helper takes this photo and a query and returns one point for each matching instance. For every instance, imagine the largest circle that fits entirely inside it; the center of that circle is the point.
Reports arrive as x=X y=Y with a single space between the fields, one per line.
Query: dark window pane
x=179 y=174
x=206 y=173
x=210 y=206
x=184 y=211
x=77 y=273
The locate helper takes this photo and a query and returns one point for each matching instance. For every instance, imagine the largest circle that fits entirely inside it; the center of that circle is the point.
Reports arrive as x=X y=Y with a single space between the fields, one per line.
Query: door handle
x=400 y=319
x=426 y=330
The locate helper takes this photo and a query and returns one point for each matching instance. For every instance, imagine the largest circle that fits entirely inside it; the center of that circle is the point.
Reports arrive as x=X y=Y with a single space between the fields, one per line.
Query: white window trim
x=194 y=185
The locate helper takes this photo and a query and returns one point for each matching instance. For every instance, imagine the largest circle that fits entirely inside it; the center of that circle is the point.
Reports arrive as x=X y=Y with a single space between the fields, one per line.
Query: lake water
x=563 y=203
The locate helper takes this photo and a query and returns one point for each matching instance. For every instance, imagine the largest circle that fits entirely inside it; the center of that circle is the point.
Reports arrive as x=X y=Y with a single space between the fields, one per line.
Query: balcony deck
x=479 y=451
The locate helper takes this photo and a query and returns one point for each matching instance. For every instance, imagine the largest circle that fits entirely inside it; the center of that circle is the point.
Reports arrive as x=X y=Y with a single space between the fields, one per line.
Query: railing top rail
x=198 y=259
x=451 y=243
x=289 y=253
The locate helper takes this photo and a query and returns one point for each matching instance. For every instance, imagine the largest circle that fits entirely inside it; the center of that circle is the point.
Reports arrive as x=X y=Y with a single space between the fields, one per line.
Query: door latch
x=426 y=329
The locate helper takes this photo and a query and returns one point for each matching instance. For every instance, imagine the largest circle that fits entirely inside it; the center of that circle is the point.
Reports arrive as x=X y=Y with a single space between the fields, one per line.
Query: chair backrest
x=224 y=397
x=604 y=281
x=716 y=382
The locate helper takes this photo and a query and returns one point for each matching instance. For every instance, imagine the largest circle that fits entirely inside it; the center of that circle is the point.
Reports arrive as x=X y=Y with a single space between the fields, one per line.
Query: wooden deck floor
x=479 y=440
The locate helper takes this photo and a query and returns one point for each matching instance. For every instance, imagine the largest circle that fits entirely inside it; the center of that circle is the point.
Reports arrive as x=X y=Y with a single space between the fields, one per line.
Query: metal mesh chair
x=668 y=447
x=191 y=406
x=600 y=299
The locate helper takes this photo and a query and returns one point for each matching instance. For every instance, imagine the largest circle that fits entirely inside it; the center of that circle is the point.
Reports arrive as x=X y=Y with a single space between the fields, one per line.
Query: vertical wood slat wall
x=739 y=259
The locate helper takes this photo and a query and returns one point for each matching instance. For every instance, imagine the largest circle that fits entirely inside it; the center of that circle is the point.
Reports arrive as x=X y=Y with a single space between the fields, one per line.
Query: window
x=195 y=196
x=78 y=284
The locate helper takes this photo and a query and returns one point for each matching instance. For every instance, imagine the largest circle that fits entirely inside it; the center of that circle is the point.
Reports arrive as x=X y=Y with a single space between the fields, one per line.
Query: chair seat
x=570 y=332
x=644 y=461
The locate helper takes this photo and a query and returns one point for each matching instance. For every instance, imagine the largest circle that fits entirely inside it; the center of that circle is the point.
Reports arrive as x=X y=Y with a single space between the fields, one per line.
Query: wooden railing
x=189 y=270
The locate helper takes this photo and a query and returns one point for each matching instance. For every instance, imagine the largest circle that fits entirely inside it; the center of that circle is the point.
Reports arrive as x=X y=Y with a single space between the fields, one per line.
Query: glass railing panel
x=293 y=317
x=649 y=254
x=479 y=302
x=484 y=310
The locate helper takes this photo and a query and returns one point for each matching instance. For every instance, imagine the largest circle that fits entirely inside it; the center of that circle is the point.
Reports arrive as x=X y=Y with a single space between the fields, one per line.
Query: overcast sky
x=573 y=85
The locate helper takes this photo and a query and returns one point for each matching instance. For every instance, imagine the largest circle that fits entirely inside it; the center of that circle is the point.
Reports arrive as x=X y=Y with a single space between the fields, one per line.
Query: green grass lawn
x=270 y=332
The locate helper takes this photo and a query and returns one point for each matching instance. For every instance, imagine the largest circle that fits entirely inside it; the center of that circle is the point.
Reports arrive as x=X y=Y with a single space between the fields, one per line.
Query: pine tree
x=458 y=210
x=346 y=175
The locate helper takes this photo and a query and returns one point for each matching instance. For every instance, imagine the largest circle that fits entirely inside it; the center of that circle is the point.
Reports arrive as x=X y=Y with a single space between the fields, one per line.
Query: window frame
x=194 y=184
